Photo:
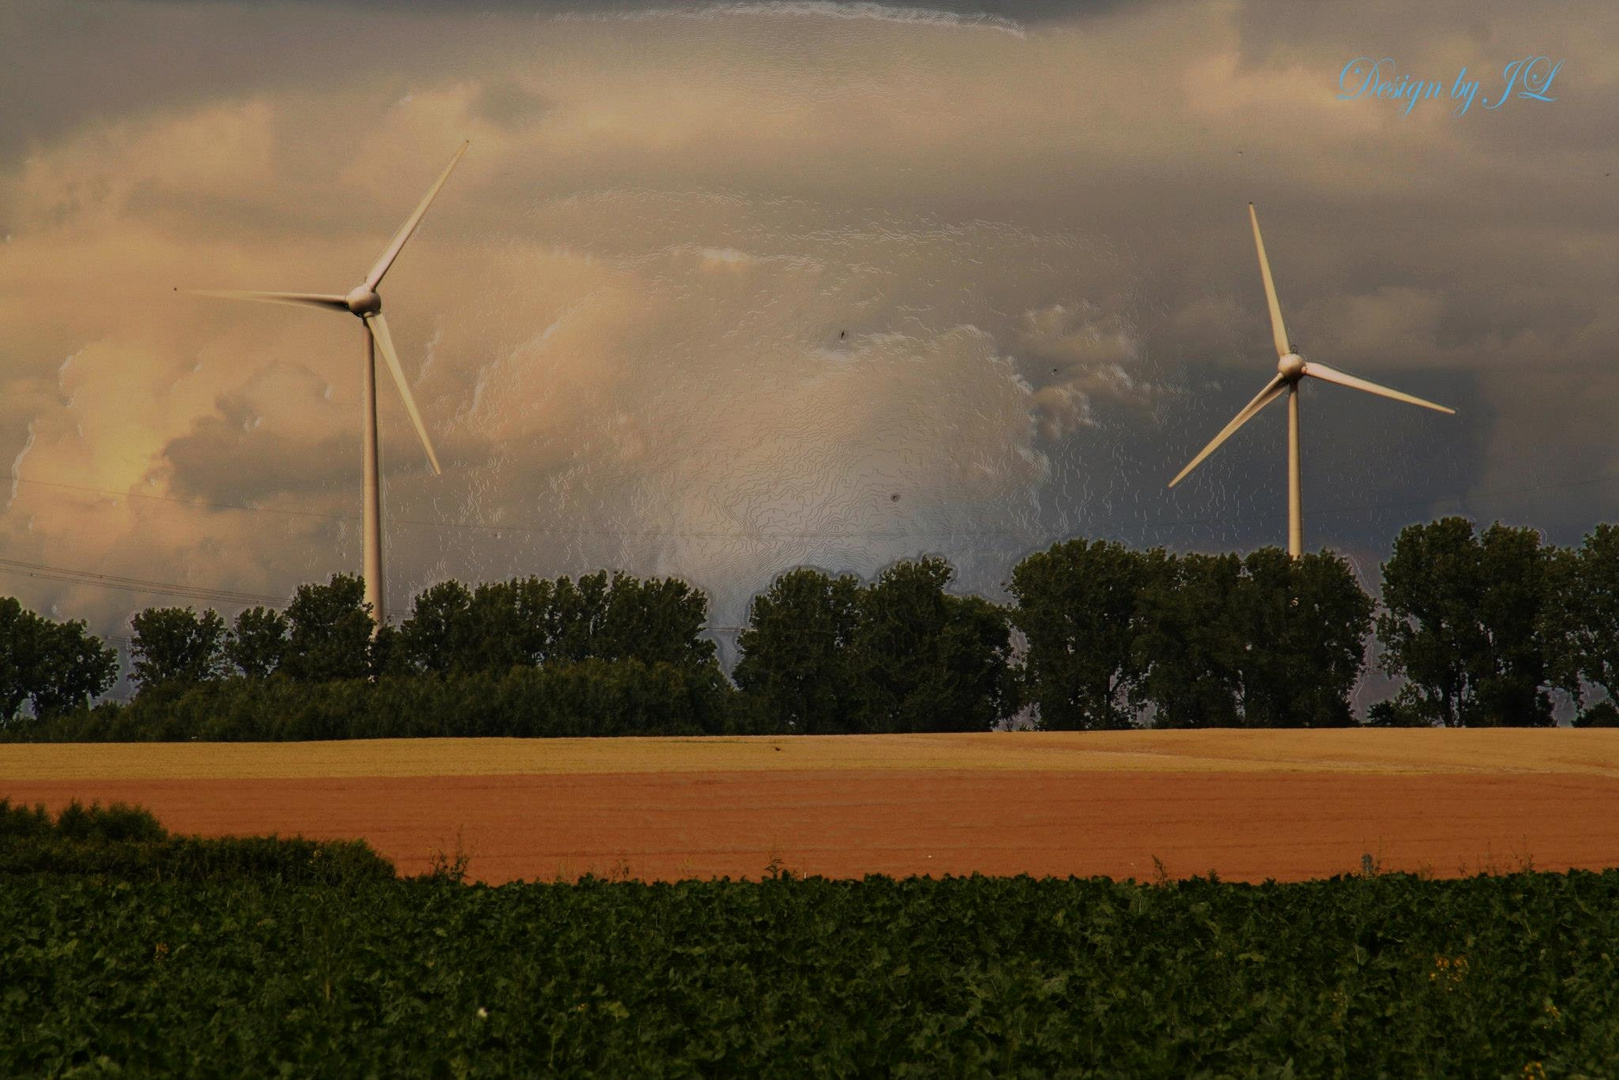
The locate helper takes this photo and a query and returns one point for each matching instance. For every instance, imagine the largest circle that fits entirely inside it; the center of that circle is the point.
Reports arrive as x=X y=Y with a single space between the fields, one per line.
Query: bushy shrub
x=129 y=844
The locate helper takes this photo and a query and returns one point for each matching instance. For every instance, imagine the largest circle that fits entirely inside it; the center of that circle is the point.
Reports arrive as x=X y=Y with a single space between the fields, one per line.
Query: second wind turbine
x=1291 y=369
x=364 y=302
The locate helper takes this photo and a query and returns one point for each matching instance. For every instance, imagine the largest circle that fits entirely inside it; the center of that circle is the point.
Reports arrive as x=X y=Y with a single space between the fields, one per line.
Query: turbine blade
x=1332 y=375
x=1278 y=331
x=319 y=300
x=374 y=278
x=1273 y=389
x=378 y=327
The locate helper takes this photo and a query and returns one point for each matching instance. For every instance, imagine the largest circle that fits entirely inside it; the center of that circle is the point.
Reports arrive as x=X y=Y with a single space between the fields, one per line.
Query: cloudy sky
x=726 y=288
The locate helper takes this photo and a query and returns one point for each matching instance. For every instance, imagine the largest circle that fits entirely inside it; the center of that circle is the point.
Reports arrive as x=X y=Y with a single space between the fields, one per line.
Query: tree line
x=1482 y=626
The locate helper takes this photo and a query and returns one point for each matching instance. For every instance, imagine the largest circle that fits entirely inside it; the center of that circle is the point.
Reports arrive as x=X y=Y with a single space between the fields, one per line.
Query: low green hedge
x=128 y=844
x=589 y=698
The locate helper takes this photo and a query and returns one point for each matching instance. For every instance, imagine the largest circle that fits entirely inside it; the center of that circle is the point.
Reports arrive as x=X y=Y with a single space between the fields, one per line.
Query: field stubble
x=1247 y=805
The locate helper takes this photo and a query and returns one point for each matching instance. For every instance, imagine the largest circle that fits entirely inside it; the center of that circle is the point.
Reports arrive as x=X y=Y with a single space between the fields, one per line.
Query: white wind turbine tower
x=1291 y=368
x=364 y=302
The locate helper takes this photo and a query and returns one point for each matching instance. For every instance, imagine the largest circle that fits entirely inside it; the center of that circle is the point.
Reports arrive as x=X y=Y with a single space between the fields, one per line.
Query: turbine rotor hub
x=1291 y=367
x=363 y=301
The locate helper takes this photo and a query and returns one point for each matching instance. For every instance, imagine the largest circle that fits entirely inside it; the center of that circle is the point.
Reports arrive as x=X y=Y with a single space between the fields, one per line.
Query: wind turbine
x=1291 y=369
x=364 y=302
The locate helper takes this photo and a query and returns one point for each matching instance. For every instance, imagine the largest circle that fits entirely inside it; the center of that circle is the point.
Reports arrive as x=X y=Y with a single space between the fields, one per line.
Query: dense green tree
x=531 y=621
x=1395 y=713
x=658 y=620
x=1301 y=626
x=574 y=612
x=495 y=627
x=257 y=642
x=795 y=660
x=438 y=634
x=70 y=666
x=1514 y=684
x=517 y=622
x=1429 y=630
x=1189 y=649
x=75 y=666
x=928 y=661
x=55 y=667
x=1602 y=714
x=18 y=644
x=329 y=631
x=1079 y=607
x=177 y=645
x=1580 y=622
x=1464 y=623
x=1262 y=620
x=385 y=655
x=1332 y=633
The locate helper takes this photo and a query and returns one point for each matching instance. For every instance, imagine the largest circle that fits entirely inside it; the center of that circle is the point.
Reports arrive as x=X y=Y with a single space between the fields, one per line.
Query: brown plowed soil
x=1297 y=819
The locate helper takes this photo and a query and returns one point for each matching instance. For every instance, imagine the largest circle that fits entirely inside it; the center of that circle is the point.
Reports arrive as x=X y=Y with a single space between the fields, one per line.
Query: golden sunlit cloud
x=723 y=289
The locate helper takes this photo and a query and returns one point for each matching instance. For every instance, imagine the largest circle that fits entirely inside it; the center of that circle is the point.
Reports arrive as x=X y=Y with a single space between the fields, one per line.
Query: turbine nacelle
x=1291 y=367
x=363 y=301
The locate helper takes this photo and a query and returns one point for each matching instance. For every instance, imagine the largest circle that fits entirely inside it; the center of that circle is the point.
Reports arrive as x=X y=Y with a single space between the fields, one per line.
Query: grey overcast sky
x=726 y=288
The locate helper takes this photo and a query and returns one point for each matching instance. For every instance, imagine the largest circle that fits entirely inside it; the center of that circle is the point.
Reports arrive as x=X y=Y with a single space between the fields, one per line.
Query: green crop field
x=1382 y=975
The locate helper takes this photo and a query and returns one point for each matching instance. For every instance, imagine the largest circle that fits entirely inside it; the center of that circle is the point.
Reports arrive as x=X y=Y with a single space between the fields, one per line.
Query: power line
x=1464 y=500
x=531 y=528
x=135 y=585
x=518 y=527
x=197 y=592
x=183 y=502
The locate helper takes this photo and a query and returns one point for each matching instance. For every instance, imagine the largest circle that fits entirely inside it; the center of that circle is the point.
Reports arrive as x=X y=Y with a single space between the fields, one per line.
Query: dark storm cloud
x=1015 y=10
x=506 y=104
x=221 y=462
x=1486 y=251
x=710 y=291
x=63 y=65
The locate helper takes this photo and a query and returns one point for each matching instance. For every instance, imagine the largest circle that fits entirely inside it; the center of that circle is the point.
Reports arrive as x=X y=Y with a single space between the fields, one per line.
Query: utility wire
x=524 y=527
x=136 y=585
x=518 y=527
x=183 y=502
x=197 y=592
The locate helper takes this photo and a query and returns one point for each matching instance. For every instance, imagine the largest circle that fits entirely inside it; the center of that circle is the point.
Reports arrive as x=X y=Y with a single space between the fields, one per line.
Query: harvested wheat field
x=1249 y=805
